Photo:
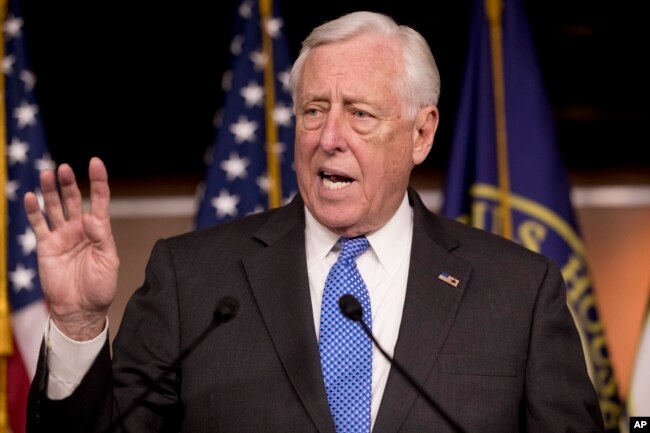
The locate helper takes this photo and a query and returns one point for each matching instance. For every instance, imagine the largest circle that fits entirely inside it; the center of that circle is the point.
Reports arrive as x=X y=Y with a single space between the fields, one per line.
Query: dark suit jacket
x=500 y=352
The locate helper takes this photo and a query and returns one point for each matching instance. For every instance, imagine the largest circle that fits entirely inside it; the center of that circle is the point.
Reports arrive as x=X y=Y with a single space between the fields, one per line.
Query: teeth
x=334 y=185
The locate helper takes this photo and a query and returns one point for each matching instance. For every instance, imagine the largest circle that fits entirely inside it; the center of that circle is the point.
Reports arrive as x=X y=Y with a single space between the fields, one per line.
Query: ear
x=426 y=124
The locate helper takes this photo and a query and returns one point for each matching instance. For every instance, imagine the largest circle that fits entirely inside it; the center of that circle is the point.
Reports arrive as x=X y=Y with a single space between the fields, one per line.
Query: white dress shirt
x=384 y=268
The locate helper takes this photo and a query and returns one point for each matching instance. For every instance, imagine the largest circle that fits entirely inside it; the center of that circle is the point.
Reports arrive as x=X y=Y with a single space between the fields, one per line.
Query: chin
x=339 y=222
x=334 y=221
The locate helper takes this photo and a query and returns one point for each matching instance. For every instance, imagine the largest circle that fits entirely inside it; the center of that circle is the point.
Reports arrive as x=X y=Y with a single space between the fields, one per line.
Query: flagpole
x=273 y=168
x=494 y=10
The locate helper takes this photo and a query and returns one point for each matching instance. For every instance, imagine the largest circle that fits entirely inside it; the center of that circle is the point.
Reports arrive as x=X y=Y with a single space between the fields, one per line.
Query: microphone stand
x=226 y=309
x=351 y=308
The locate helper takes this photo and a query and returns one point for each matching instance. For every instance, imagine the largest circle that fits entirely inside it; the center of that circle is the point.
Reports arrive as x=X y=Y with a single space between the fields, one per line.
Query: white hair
x=420 y=84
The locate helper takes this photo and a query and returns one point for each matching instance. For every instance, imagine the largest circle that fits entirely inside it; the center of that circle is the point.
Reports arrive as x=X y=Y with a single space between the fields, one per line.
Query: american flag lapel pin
x=449 y=279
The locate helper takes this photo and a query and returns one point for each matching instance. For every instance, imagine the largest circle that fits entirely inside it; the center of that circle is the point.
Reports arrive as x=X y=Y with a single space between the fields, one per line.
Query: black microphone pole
x=351 y=308
x=225 y=310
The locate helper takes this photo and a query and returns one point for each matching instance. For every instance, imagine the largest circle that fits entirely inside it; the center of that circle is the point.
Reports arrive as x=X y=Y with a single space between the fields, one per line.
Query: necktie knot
x=351 y=248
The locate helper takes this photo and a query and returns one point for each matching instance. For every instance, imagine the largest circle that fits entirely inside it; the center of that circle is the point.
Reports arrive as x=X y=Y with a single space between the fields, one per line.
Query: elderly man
x=478 y=322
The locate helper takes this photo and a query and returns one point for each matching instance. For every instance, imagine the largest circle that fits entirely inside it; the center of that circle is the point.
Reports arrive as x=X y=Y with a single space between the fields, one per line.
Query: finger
x=100 y=194
x=35 y=216
x=70 y=192
x=99 y=233
x=51 y=198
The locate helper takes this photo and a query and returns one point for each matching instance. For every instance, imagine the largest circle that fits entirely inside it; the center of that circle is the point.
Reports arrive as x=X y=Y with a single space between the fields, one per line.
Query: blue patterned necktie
x=345 y=350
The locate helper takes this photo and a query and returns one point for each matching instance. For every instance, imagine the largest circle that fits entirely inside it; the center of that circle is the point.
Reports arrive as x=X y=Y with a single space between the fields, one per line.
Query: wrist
x=81 y=326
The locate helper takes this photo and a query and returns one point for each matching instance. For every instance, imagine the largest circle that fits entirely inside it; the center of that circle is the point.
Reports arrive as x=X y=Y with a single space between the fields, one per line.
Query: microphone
x=351 y=308
x=225 y=311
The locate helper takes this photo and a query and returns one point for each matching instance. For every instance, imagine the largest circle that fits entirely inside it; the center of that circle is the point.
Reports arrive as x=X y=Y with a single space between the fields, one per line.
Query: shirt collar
x=386 y=243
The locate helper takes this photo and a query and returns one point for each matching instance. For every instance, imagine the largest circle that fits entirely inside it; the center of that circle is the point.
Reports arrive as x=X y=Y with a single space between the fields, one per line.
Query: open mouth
x=334 y=181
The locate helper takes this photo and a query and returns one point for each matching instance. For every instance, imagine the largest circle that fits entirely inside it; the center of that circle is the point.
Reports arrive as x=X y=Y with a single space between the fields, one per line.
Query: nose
x=332 y=137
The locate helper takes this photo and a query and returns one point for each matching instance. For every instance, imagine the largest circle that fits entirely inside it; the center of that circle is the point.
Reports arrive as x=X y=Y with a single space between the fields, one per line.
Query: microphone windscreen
x=226 y=309
x=350 y=307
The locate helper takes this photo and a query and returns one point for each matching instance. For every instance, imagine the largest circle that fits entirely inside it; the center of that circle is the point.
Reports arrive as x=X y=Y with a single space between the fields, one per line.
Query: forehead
x=364 y=60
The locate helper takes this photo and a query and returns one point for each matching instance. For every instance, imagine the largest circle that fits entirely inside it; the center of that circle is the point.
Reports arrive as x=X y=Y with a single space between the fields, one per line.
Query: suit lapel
x=280 y=285
x=429 y=311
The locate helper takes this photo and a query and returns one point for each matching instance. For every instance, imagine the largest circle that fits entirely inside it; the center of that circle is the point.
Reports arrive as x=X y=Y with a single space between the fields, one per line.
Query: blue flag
x=506 y=174
x=239 y=180
x=26 y=155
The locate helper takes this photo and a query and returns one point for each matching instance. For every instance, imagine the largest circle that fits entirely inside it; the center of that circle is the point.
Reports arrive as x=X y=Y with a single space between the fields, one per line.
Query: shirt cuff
x=68 y=360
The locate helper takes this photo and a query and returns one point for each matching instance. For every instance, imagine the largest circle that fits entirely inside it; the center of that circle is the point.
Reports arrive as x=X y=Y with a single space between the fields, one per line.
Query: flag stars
x=257 y=209
x=241 y=182
x=283 y=115
x=263 y=183
x=44 y=163
x=209 y=155
x=283 y=77
x=8 y=64
x=21 y=150
x=246 y=9
x=28 y=78
x=27 y=241
x=253 y=94
x=25 y=114
x=17 y=151
x=225 y=204
x=279 y=148
x=226 y=80
x=244 y=130
x=273 y=27
x=237 y=44
x=13 y=27
x=235 y=167
x=11 y=188
x=259 y=59
x=289 y=197
x=217 y=120
x=21 y=278
x=40 y=199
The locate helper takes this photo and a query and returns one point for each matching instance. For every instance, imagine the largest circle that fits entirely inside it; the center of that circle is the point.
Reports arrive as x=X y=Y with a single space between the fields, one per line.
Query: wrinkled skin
x=77 y=258
x=355 y=149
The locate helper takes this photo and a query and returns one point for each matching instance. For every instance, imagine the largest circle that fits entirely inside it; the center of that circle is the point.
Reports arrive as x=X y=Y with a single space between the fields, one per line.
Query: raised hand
x=77 y=257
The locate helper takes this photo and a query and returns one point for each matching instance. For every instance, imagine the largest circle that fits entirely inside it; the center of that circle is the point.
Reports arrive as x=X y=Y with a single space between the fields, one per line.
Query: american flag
x=26 y=154
x=238 y=181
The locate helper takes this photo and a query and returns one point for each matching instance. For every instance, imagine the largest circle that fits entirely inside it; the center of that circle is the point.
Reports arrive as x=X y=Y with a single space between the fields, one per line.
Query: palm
x=77 y=258
x=74 y=273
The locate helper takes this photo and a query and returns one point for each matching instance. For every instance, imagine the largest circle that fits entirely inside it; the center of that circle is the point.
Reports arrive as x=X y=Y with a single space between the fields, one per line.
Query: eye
x=362 y=121
x=312 y=117
x=361 y=114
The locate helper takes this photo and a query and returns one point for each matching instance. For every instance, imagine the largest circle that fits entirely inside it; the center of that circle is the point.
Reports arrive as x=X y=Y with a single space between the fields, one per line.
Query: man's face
x=354 y=147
